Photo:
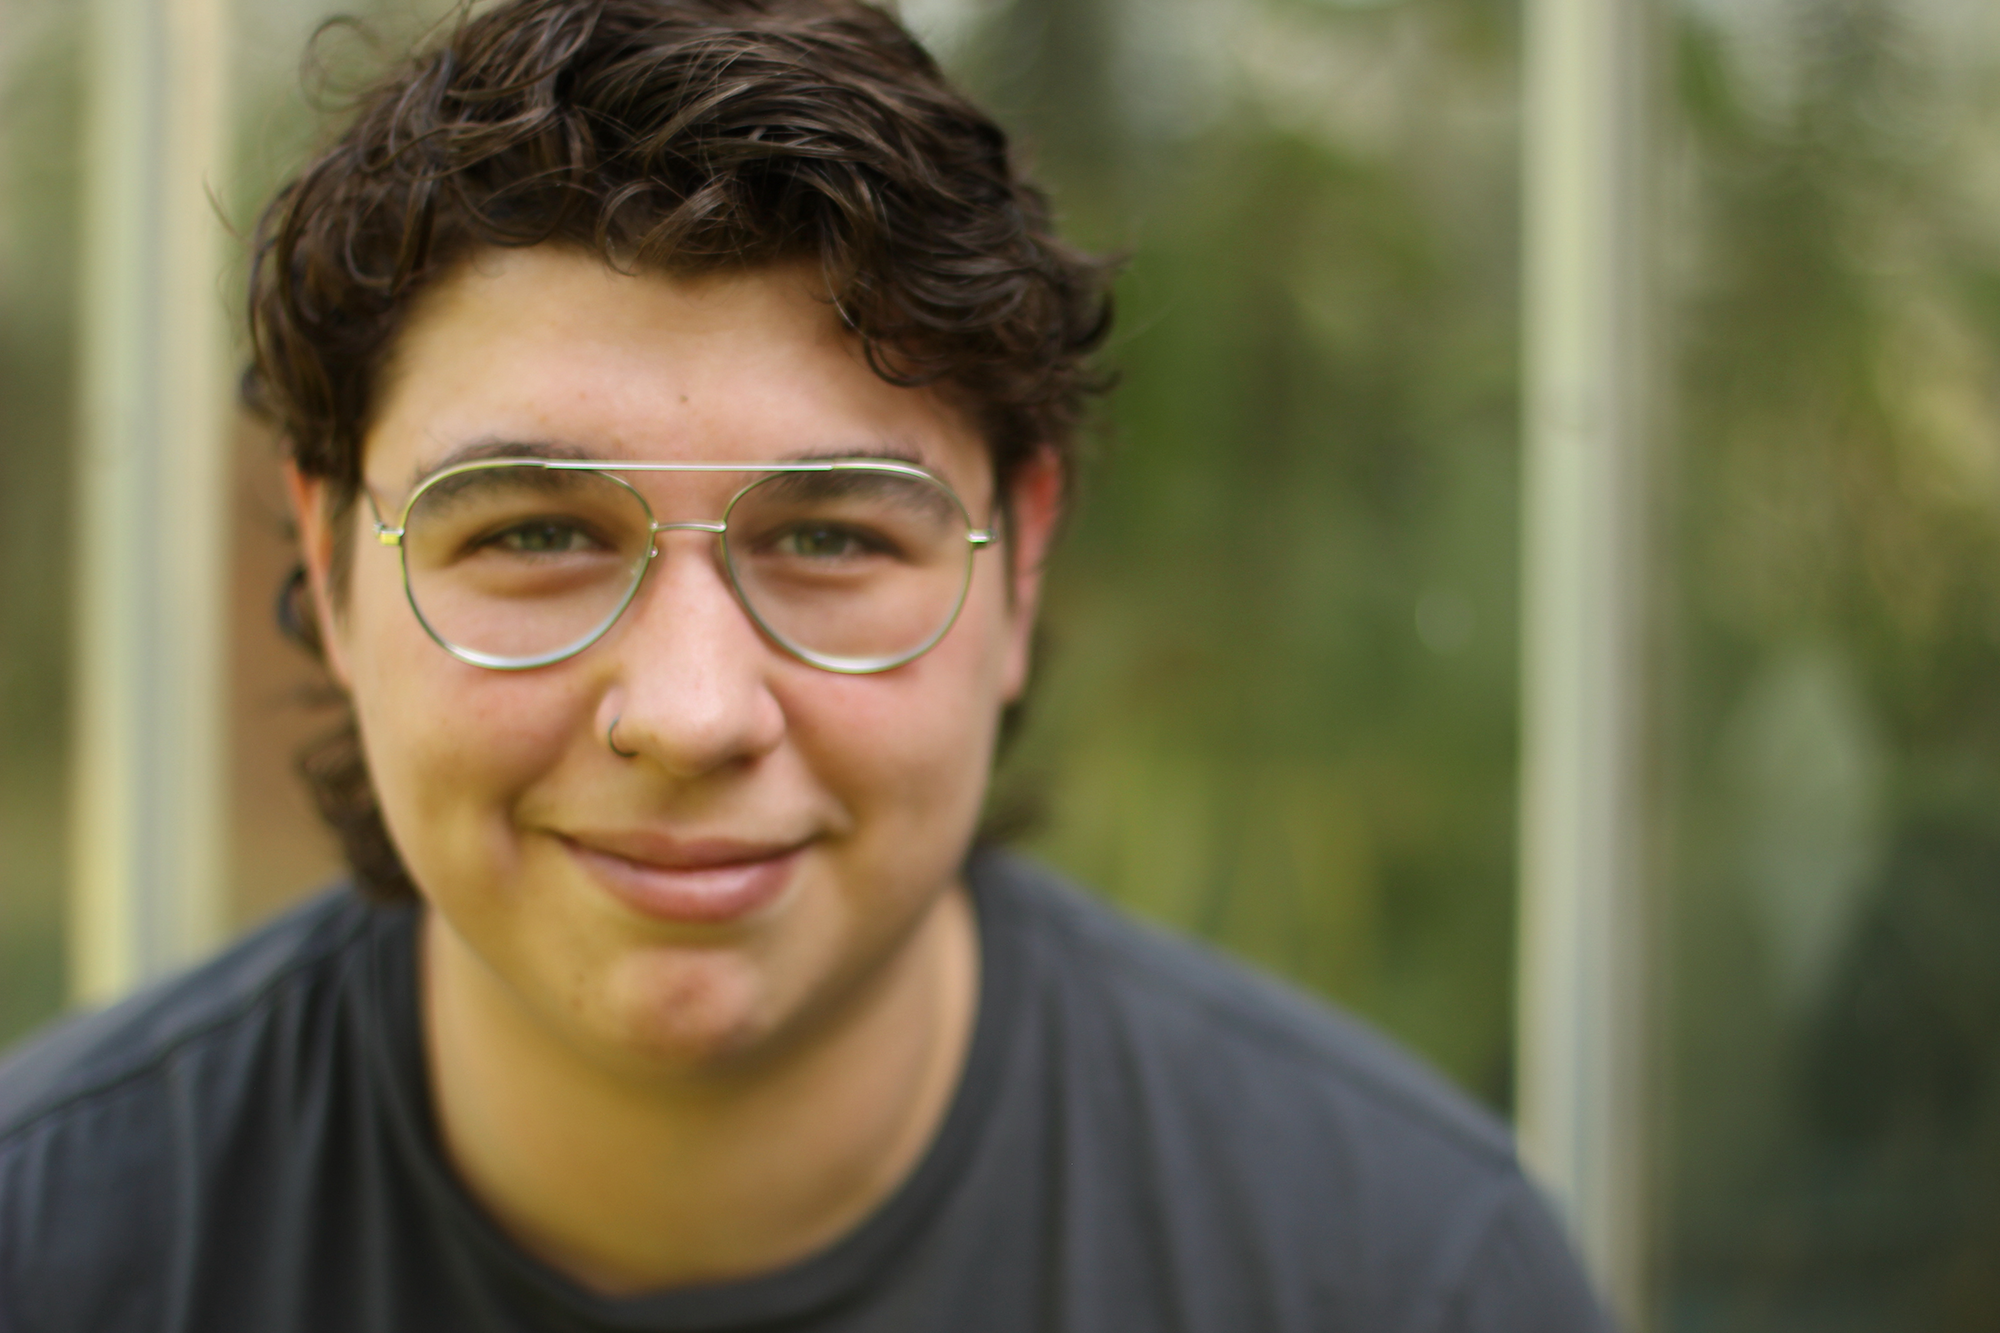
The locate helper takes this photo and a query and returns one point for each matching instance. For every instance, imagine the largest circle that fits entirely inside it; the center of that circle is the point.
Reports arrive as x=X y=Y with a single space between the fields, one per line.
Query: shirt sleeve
x=1521 y=1276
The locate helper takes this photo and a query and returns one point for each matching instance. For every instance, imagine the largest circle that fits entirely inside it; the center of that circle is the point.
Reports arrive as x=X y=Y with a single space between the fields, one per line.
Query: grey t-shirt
x=1146 y=1138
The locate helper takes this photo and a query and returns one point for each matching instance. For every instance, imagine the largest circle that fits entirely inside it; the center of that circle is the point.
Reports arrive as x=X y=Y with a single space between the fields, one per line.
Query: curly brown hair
x=678 y=136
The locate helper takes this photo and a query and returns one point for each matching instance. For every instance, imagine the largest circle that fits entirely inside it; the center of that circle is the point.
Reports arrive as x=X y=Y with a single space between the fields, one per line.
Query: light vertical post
x=147 y=862
x=1582 y=949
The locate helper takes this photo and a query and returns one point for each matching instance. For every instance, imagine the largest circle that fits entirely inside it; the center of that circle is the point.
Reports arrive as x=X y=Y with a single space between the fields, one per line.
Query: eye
x=823 y=541
x=542 y=536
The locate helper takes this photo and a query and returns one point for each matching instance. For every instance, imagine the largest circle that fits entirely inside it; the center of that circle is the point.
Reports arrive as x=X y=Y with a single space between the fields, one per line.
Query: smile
x=707 y=882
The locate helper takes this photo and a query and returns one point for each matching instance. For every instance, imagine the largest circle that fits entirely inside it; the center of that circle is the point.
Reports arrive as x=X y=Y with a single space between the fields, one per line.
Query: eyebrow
x=490 y=447
x=890 y=451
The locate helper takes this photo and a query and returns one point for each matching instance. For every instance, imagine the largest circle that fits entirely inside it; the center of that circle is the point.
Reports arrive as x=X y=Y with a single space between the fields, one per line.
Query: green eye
x=822 y=542
x=542 y=537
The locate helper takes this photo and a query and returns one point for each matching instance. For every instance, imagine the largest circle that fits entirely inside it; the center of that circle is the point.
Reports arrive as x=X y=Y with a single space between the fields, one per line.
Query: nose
x=693 y=691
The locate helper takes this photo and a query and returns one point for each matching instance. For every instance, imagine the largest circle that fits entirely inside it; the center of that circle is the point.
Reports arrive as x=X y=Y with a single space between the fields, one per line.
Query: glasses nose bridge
x=712 y=529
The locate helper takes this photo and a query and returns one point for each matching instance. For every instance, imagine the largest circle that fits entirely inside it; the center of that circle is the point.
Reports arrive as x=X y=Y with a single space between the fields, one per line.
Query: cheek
x=449 y=746
x=913 y=746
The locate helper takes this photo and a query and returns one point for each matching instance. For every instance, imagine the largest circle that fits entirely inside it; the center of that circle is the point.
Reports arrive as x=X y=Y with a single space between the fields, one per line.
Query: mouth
x=704 y=882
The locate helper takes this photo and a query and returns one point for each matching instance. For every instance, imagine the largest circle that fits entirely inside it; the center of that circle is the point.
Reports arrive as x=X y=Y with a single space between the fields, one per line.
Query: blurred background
x=1280 y=699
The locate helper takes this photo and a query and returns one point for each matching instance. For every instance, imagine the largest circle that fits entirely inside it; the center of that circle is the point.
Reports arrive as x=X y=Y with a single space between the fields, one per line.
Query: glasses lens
x=854 y=569
x=518 y=564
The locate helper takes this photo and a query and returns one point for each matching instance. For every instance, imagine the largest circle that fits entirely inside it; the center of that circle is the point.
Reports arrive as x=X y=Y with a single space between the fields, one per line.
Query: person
x=680 y=400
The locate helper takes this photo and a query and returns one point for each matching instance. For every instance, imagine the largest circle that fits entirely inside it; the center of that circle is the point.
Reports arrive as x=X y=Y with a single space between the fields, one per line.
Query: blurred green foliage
x=1834 y=678
x=39 y=178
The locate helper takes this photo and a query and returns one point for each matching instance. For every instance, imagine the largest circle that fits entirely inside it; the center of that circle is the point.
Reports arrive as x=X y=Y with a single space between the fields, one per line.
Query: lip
x=709 y=881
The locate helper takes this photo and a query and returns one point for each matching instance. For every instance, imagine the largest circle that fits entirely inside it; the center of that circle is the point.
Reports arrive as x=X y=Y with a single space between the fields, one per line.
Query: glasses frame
x=977 y=539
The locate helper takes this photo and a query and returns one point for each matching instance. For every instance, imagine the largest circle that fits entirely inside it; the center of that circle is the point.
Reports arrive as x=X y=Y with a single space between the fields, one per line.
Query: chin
x=688 y=1009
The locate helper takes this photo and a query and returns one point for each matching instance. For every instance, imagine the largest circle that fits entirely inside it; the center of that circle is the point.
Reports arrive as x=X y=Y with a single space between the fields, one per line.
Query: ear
x=1035 y=498
x=315 y=529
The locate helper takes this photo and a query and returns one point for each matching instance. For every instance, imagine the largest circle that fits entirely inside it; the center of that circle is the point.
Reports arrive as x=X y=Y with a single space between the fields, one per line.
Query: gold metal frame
x=977 y=539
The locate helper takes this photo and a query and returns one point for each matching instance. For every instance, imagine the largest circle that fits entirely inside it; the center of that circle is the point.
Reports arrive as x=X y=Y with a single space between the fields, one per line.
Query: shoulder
x=141 y=1040
x=132 y=1137
x=1198 y=1003
x=1292 y=1128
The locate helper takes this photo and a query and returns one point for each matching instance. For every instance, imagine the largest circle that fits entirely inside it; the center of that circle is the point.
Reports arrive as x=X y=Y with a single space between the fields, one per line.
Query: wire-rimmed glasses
x=852 y=565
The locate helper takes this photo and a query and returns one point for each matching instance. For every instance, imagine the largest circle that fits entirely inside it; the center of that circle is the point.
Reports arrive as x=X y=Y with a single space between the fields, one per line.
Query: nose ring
x=611 y=739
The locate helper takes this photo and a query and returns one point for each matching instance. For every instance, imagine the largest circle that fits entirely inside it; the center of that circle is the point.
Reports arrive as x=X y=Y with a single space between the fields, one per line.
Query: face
x=779 y=831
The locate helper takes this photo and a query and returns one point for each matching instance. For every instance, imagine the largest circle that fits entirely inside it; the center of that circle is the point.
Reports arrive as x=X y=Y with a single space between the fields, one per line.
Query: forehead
x=549 y=347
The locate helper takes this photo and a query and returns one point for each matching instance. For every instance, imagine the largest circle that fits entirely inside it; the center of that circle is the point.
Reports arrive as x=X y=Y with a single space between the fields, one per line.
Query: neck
x=630 y=1183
